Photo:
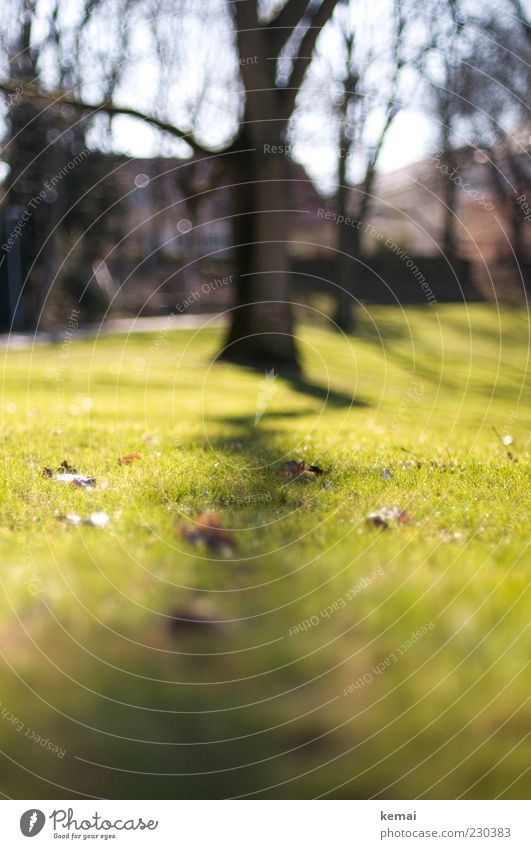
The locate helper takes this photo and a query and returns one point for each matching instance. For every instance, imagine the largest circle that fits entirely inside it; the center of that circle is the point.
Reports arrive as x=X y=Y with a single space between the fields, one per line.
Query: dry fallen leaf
x=66 y=467
x=127 y=459
x=208 y=530
x=293 y=469
x=192 y=618
x=67 y=474
x=383 y=517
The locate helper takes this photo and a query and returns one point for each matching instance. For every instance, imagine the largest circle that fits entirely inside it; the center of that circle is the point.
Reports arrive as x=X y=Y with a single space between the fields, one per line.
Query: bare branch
x=283 y=25
x=304 y=54
x=522 y=18
x=107 y=107
x=258 y=77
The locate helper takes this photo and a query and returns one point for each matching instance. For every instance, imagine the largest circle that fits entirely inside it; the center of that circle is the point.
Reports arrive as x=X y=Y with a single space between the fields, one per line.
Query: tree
x=262 y=325
x=501 y=79
x=361 y=102
x=348 y=104
x=479 y=71
x=262 y=330
x=46 y=142
x=445 y=68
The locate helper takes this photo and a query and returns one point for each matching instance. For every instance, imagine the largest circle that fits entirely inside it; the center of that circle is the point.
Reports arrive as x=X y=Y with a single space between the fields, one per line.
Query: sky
x=410 y=137
x=206 y=68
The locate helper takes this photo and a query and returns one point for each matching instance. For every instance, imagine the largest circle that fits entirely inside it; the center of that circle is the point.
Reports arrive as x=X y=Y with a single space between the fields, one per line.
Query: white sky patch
x=411 y=136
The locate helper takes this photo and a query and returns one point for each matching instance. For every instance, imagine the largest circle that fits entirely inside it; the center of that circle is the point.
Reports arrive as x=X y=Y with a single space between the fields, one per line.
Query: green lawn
x=350 y=704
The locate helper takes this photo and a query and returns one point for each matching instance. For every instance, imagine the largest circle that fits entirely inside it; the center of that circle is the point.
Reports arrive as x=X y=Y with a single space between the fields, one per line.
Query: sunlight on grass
x=314 y=601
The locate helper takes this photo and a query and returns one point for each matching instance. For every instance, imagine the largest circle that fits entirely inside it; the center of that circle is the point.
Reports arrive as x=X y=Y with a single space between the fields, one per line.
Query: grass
x=256 y=704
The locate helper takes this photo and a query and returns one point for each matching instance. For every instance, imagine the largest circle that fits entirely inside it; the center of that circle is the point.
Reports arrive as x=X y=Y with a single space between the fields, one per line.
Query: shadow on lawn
x=297 y=382
x=330 y=396
x=260 y=446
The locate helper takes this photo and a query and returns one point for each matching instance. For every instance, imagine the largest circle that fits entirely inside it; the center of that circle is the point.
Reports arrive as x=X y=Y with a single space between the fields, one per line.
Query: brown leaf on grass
x=386 y=515
x=66 y=467
x=192 y=618
x=208 y=530
x=68 y=475
x=127 y=459
x=293 y=469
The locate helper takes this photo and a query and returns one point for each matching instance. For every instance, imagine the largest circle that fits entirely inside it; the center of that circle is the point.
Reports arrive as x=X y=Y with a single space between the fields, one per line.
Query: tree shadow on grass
x=247 y=421
x=299 y=383
x=335 y=397
x=262 y=439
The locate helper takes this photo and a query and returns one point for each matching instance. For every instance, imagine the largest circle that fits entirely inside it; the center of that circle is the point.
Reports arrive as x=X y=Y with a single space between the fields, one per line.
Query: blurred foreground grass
x=349 y=703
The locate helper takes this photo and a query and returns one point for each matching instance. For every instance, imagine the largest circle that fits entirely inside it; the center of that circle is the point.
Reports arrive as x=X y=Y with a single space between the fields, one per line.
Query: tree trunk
x=25 y=214
x=449 y=188
x=261 y=331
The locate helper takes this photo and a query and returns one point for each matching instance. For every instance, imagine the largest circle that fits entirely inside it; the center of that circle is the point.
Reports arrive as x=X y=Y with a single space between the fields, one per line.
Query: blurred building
x=168 y=232
x=140 y=235
x=490 y=223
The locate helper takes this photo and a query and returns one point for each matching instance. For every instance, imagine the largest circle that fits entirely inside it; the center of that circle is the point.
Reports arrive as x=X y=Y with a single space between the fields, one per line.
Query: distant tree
x=50 y=168
x=499 y=123
x=479 y=73
x=366 y=97
x=348 y=105
x=445 y=69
